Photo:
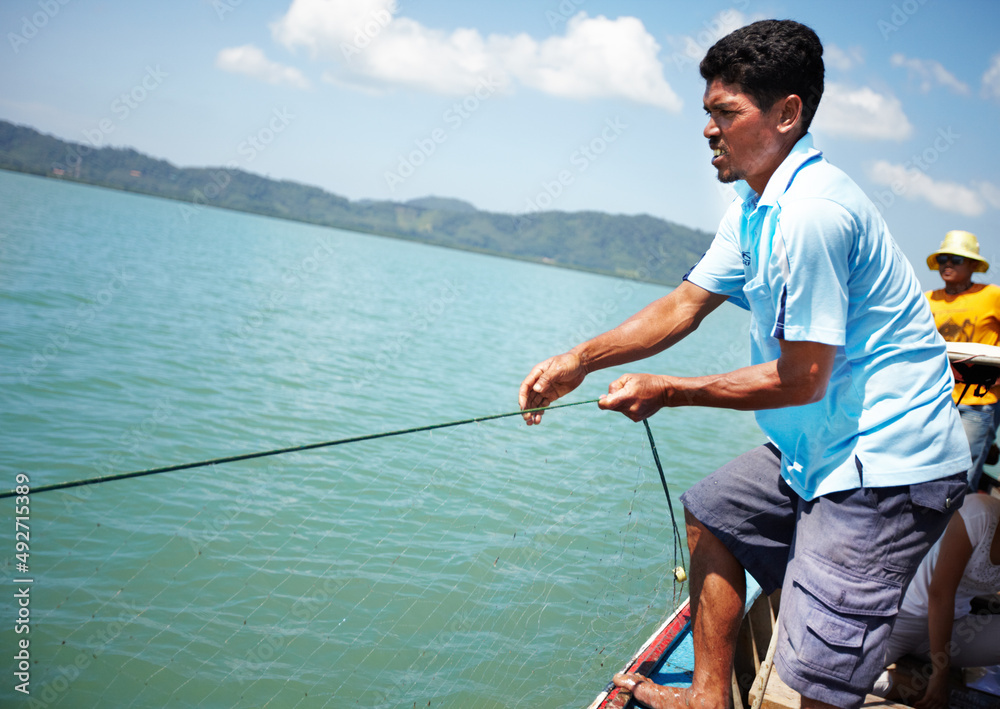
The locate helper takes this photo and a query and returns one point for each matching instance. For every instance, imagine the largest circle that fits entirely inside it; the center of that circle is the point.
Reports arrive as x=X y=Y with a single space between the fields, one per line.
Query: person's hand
x=553 y=378
x=638 y=396
x=936 y=696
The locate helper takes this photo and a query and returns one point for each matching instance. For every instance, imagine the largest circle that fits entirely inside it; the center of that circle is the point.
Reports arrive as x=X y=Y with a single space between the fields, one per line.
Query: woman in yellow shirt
x=965 y=311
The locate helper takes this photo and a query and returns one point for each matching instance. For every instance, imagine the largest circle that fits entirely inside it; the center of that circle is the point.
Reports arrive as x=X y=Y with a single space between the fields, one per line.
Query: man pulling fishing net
x=848 y=376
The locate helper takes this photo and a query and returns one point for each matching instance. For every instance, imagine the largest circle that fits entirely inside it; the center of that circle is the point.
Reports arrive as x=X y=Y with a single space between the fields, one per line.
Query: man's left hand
x=638 y=396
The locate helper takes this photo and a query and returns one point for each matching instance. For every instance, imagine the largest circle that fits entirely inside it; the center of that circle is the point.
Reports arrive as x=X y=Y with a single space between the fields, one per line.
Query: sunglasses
x=942 y=259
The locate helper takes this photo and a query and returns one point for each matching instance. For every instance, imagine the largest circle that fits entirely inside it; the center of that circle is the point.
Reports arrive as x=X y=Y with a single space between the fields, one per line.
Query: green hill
x=639 y=247
x=443 y=203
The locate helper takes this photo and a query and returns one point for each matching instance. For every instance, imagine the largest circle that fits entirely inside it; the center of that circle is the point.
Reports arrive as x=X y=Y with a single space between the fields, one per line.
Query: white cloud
x=861 y=113
x=597 y=57
x=322 y=26
x=250 y=60
x=929 y=73
x=990 y=192
x=367 y=42
x=842 y=59
x=694 y=47
x=914 y=184
x=991 y=79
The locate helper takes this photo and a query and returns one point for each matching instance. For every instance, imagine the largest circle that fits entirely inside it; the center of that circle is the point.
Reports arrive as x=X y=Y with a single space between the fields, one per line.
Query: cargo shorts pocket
x=944 y=495
x=832 y=644
x=837 y=617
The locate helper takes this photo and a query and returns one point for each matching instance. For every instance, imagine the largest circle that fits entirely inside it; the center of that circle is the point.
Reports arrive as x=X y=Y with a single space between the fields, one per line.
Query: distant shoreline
x=359 y=230
x=640 y=248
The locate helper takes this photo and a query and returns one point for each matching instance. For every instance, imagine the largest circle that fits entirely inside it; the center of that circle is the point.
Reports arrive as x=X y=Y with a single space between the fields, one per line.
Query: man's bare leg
x=718 y=593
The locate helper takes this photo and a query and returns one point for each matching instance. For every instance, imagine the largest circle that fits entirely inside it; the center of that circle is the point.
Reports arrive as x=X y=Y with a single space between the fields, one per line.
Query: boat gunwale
x=656 y=648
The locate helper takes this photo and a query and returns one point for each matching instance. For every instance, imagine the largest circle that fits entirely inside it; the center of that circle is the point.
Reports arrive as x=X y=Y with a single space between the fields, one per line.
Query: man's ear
x=790 y=113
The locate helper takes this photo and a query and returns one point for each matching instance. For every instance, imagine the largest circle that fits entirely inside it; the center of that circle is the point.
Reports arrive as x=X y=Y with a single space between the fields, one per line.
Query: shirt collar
x=801 y=153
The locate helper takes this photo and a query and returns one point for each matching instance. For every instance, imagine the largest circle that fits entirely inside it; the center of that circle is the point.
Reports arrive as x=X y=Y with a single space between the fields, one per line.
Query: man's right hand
x=553 y=378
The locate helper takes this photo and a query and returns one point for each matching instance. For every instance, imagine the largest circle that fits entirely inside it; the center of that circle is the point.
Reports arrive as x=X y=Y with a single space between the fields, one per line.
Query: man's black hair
x=770 y=60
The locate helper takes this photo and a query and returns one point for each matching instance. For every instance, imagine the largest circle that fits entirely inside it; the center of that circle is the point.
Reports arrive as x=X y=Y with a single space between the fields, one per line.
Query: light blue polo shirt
x=812 y=259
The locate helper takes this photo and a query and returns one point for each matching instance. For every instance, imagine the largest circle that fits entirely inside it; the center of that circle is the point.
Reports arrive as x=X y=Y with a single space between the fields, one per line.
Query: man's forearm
x=653 y=329
x=799 y=376
x=631 y=341
x=770 y=385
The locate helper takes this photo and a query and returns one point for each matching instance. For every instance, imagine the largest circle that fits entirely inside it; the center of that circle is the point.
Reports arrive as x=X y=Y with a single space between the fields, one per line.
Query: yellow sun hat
x=960 y=243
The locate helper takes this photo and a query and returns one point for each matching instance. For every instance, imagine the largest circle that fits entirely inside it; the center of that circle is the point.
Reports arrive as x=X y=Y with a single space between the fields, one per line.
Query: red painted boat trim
x=649 y=656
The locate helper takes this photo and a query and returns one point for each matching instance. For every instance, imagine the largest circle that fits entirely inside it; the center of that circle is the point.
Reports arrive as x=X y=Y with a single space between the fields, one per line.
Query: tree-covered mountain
x=640 y=247
x=444 y=203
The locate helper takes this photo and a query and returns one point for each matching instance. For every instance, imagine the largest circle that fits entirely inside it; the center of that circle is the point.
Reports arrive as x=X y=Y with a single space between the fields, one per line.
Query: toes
x=628 y=681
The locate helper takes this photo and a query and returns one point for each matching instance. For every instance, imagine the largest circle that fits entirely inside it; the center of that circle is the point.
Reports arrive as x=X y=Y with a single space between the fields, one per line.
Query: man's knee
x=695 y=529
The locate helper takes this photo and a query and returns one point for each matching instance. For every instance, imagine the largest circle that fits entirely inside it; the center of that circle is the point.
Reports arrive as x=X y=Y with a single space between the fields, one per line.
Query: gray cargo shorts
x=843 y=562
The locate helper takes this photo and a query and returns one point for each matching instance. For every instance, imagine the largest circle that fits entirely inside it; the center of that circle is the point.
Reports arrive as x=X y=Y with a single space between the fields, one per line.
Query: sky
x=513 y=105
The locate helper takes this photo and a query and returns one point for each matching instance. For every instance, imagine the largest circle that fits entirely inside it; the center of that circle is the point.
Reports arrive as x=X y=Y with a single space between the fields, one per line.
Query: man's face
x=745 y=141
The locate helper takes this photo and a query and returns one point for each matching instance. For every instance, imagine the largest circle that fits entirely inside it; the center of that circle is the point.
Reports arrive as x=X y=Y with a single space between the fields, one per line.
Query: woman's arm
x=954 y=554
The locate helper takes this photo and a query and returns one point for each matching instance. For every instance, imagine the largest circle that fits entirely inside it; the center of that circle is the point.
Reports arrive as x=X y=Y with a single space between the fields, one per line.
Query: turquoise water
x=489 y=565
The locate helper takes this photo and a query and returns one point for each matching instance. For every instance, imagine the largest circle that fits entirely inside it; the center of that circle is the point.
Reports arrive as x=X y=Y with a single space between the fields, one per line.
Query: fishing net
x=450 y=568
x=487 y=565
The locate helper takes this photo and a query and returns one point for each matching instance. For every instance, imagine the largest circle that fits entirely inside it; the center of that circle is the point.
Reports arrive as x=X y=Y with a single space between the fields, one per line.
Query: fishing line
x=679 y=573
x=281 y=451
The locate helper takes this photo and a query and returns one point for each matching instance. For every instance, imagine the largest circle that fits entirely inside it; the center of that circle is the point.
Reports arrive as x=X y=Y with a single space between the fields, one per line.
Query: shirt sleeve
x=976 y=516
x=721 y=270
x=812 y=250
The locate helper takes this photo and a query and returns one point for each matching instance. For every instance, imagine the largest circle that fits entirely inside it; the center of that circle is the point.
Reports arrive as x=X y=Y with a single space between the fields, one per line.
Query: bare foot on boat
x=659 y=697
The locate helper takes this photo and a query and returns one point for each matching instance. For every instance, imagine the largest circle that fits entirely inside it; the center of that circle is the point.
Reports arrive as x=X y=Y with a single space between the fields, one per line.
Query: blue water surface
x=487 y=565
